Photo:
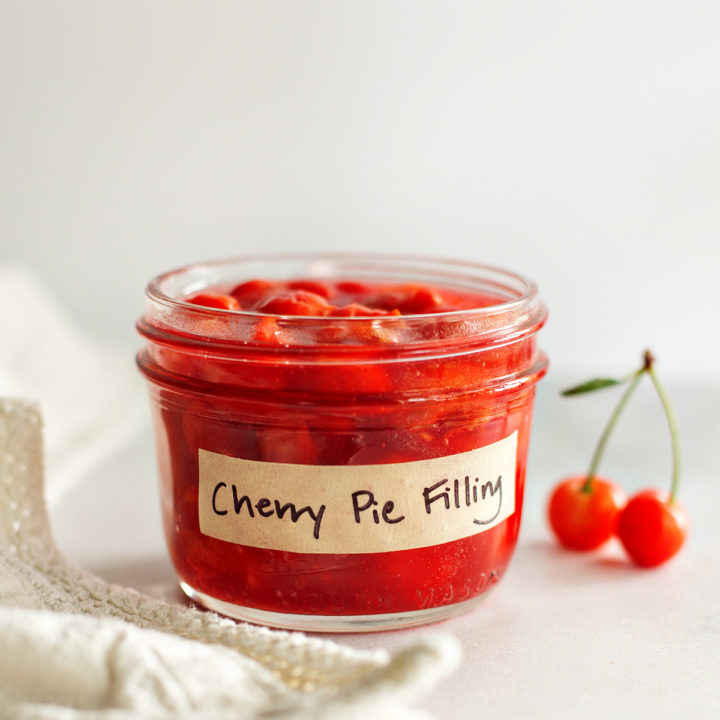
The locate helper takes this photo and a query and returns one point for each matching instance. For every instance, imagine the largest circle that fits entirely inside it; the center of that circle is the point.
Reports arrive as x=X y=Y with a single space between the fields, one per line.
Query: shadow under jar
x=358 y=468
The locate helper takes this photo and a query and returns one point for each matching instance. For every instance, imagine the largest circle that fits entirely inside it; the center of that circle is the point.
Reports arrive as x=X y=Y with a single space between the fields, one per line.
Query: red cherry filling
x=215 y=300
x=296 y=302
x=255 y=415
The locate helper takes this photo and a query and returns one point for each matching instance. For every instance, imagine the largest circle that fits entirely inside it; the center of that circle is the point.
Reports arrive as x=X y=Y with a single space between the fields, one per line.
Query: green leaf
x=591 y=386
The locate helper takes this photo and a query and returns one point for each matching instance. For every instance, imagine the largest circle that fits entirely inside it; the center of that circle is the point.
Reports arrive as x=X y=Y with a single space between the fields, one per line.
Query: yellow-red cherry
x=583 y=514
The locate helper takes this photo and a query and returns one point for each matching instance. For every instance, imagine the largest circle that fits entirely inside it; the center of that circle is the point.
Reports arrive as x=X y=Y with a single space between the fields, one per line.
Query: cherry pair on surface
x=585 y=511
x=651 y=526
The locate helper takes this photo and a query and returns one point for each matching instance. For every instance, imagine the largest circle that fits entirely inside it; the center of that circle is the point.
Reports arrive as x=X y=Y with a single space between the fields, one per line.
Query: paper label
x=356 y=508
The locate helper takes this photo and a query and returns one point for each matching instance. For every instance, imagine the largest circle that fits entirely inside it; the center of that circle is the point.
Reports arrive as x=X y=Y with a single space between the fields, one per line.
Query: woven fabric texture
x=73 y=646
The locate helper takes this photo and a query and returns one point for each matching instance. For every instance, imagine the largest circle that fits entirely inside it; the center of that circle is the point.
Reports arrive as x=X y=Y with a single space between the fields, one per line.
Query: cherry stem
x=674 y=434
x=647 y=367
x=600 y=448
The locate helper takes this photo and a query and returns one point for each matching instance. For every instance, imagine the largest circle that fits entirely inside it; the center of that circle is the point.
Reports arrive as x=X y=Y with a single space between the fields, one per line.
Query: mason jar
x=341 y=471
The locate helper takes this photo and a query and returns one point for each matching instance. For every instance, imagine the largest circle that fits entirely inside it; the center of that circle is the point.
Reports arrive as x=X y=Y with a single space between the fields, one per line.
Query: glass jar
x=332 y=473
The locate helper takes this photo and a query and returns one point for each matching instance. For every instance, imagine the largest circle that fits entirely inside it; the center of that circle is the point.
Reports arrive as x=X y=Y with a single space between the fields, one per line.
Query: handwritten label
x=356 y=508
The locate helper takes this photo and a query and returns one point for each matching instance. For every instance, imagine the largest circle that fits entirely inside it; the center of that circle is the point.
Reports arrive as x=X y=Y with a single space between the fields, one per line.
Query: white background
x=575 y=142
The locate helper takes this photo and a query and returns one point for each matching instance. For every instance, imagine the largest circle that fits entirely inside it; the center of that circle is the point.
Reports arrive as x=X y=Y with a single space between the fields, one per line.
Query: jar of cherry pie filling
x=341 y=439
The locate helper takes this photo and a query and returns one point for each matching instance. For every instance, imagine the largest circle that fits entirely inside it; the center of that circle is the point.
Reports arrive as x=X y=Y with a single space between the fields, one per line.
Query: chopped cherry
x=311 y=286
x=215 y=300
x=297 y=302
x=350 y=287
x=267 y=331
x=345 y=298
x=423 y=300
x=358 y=310
x=252 y=292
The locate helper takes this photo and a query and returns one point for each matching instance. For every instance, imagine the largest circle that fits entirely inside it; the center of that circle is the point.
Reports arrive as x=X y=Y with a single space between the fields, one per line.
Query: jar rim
x=173 y=325
x=441 y=269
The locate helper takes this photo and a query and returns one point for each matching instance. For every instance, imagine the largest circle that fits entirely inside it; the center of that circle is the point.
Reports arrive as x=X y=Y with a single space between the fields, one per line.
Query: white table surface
x=563 y=634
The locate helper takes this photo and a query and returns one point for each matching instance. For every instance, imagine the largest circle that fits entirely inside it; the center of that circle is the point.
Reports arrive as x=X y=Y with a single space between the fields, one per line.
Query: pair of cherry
x=585 y=511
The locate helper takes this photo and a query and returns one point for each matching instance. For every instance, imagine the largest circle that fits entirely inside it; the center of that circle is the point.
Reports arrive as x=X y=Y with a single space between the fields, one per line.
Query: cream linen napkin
x=73 y=647
x=91 y=396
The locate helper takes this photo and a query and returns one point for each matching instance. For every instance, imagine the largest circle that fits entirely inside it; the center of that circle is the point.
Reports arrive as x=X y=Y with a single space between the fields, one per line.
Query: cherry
x=296 y=302
x=215 y=300
x=252 y=292
x=583 y=513
x=267 y=331
x=350 y=287
x=652 y=527
x=583 y=509
x=311 y=286
x=422 y=300
x=358 y=310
